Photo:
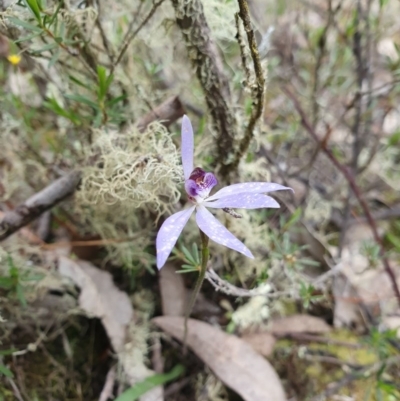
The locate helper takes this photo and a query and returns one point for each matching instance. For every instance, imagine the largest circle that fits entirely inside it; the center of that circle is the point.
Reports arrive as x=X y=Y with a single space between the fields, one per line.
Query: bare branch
x=209 y=70
x=257 y=87
x=39 y=203
x=347 y=173
x=227 y=288
x=167 y=112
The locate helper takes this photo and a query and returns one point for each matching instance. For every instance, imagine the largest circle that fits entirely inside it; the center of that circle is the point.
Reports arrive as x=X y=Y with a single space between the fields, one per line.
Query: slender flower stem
x=205 y=253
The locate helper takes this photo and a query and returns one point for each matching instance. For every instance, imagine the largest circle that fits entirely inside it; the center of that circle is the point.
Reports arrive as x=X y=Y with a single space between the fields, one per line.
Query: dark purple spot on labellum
x=200 y=183
x=197 y=175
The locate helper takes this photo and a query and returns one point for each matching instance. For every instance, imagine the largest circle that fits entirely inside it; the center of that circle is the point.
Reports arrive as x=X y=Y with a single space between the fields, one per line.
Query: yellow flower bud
x=14 y=59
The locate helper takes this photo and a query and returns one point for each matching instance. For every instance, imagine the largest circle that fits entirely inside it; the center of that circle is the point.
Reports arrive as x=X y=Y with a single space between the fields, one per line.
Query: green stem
x=205 y=253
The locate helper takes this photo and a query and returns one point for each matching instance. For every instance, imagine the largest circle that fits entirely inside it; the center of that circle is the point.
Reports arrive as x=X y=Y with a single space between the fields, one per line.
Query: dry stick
x=167 y=112
x=104 y=39
x=209 y=70
x=352 y=183
x=39 y=203
x=258 y=98
x=60 y=189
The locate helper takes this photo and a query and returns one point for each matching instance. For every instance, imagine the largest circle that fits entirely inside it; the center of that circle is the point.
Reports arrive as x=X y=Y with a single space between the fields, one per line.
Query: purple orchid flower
x=198 y=185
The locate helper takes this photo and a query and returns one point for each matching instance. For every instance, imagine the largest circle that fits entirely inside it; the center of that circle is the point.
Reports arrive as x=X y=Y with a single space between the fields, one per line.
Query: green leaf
x=383 y=3
x=6 y=282
x=20 y=295
x=188 y=255
x=308 y=262
x=24 y=24
x=294 y=218
x=394 y=139
x=116 y=100
x=5 y=371
x=54 y=58
x=146 y=385
x=35 y=9
x=103 y=81
x=56 y=108
x=29 y=37
x=8 y=351
x=394 y=240
x=82 y=99
x=187 y=269
x=195 y=251
x=79 y=82
x=54 y=16
x=34 y=277
x=49 y=46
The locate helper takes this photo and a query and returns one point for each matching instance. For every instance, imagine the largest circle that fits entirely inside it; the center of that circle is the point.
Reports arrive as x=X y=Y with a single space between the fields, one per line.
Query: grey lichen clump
x=134 y=177
x=133 y=169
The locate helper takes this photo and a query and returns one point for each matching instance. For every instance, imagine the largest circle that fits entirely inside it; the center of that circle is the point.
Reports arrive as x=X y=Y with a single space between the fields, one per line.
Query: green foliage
x=308 y=295
x=146 y=385
x=15 y=281
x=289 y=252
x=371 y=251
x=192 y=258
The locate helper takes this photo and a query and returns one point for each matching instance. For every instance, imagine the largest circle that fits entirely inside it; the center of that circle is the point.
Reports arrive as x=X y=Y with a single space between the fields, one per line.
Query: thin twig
x=354 y=187
x=227 y=288
x=106 y=43
x=258 y=87
x=242 y=47
x=107 y=391
x=16 y=391
x=130 y=36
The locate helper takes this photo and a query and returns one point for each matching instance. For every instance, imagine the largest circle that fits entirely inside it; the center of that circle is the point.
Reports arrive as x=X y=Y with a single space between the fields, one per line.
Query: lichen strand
x=134 y=175
x=209 y=70
x=132 y=170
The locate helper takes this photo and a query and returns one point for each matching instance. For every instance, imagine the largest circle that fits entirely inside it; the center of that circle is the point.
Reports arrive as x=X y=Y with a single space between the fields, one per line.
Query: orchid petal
x=217 y=232
x=247 y=187
x=169 y=233
x=187 y=146
x=243 y=201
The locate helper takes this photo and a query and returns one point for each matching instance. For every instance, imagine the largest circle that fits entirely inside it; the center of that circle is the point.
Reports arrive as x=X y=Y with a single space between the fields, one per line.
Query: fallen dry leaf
x=173 y=292
x=175 y=297
x=262 y=342
x=100 y=297
x=298 y=324
x=235 y=363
